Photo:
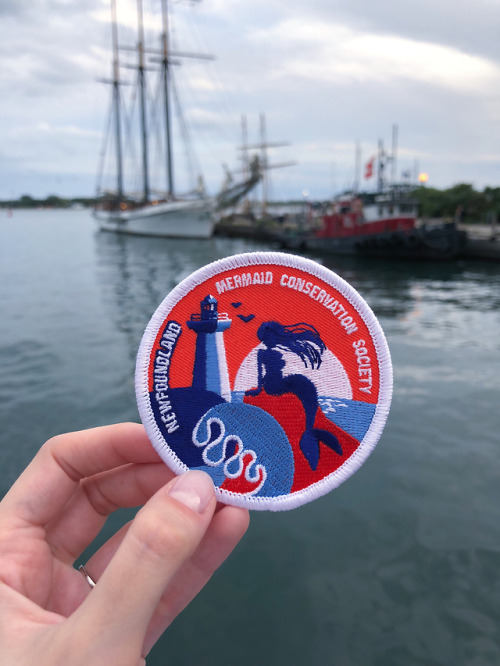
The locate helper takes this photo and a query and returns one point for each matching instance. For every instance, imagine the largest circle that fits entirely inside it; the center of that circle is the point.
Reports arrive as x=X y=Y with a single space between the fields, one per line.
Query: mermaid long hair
x=301 y=339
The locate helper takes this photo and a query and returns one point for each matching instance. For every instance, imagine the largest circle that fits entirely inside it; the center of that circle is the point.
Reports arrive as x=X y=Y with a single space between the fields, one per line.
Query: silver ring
x=85 y=574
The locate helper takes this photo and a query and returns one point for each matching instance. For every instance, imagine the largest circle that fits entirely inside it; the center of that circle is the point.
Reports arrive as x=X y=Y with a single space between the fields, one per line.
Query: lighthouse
x=210 y=366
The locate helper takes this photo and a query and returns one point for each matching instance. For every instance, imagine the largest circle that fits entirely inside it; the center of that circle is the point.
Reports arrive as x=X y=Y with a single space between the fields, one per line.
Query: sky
x=327 y=75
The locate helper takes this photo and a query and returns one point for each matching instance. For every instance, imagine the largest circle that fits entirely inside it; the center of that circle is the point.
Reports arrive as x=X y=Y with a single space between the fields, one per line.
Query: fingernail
x=193 y=489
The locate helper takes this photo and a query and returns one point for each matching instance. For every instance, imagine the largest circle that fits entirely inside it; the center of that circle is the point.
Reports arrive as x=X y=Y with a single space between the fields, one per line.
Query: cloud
x=325 y=75
x=464 y=26
x=331 y=53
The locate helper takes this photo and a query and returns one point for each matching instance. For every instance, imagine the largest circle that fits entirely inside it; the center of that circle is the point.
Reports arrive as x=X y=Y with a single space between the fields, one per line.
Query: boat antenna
x=357 y=168
x=381 y=166
x=394 y=154
x=142 y=91
x=116 y=103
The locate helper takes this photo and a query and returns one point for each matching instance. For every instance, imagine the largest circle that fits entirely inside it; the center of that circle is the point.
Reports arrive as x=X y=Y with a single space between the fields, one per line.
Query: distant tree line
x=52 y=201
x=461 y=202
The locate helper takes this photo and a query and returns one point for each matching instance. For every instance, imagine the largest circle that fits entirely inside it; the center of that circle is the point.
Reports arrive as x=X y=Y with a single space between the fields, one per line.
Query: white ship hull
x=176 y=219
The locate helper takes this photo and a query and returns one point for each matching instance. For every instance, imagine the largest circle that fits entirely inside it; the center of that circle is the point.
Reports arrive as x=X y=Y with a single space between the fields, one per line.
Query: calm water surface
x=400 y=566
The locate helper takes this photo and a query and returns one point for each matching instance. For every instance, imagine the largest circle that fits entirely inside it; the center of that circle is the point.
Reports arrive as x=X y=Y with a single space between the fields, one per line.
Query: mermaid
x=304 y=341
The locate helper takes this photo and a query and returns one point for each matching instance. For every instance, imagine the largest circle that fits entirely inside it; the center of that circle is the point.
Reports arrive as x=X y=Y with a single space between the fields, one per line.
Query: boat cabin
x=352 y=215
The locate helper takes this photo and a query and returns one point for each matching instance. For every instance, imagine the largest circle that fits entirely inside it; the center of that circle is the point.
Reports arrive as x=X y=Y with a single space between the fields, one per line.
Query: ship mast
x=165 y=68
x=116 y=104
x=264 y=163
x=142 y=93
x=244 y=147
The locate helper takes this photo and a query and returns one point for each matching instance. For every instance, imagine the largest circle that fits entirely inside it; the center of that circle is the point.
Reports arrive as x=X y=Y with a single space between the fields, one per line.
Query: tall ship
x=131 y=141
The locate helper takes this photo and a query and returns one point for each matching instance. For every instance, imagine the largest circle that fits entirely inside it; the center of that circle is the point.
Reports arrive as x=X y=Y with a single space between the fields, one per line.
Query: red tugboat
x=381 y=224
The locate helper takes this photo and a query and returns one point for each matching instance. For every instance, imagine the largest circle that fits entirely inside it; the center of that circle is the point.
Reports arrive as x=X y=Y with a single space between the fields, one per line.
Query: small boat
x=151 y=212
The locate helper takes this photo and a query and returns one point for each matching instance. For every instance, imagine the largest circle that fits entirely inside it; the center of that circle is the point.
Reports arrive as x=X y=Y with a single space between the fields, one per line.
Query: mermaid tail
x=309 y=445
x=328 y=439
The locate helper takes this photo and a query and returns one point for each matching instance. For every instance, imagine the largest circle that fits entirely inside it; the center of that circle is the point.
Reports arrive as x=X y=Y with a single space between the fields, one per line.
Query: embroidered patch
x=270 y=373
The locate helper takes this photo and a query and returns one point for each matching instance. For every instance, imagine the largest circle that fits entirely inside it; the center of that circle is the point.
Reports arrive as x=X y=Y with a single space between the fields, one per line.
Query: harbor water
x=399 y=566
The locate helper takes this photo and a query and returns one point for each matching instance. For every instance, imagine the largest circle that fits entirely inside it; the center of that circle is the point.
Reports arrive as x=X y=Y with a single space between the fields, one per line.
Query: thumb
x=163 y=535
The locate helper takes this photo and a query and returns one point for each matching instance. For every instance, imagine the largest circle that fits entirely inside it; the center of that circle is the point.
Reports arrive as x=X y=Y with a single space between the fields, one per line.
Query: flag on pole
x=369 y=168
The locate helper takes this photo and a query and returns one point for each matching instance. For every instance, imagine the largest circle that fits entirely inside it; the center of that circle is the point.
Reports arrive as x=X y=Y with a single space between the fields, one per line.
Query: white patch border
x=372 y=436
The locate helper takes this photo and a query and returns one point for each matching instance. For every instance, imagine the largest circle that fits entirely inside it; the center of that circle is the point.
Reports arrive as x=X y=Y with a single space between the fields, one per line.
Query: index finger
x=54 y=474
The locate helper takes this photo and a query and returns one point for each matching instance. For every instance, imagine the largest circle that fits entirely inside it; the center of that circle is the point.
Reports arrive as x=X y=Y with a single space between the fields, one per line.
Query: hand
x=146 y=573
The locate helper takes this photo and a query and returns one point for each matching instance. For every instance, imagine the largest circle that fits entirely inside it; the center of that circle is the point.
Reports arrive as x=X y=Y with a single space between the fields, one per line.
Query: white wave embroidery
x=214 y=454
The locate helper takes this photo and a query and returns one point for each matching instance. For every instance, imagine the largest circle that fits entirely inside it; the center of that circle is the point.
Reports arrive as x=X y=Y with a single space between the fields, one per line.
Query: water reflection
x=136 y=273
x=388 y=285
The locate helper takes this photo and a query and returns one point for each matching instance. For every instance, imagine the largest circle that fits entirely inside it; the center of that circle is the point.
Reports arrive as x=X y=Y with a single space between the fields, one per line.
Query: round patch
x=270 y=373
